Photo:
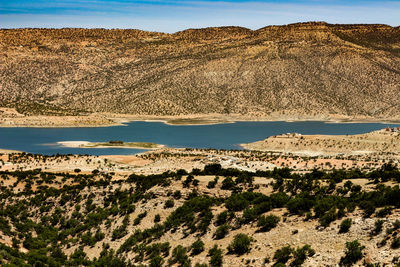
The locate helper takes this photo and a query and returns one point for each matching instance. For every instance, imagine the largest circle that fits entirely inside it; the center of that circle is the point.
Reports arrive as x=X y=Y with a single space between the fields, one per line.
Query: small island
x=110 y=144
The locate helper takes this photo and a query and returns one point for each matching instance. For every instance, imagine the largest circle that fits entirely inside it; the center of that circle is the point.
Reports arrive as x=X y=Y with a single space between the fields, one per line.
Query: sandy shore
x=131 y=145
x=8 y=151
x=9 y=117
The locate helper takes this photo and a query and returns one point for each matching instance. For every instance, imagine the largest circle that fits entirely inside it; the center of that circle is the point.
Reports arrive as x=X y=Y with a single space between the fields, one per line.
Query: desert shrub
x=119 y=232
x=177 y=194
x=353 y=253
x=236 y=202
x=282 y=255
x=378 y=226
x=396 y=224
x=345 y=225
x=368 y=207
x=222 y=231
x=300 y=204
x=156 y=261
x=395 y=243
x=189 y=179
x=216 y=257
x=197 y=247
x=213 y=183
x=158 y=249
x=301 y=254
x=179 y=256
x=222 y=218
x=139 y=218
x=206 y=218
x=157 y=218
x=249 y=215
x=228 y=184
x=328 y=217
x=186 y=212
x=108 y=258
x=240 y=244
x=384 y=212
x=266 y=223
x=169 y=203
x=212 y=169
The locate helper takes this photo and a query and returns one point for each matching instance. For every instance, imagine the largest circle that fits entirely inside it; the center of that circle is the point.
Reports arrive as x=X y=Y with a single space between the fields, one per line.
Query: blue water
x=220 y=136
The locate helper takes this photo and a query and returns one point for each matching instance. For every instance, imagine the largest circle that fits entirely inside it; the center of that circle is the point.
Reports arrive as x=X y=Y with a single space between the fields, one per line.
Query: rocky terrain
x=384 y=141
x=213 y=216
x=300 y=71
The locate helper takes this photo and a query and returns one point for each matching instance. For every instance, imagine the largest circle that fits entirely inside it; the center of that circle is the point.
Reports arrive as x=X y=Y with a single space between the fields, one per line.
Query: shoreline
x=195 y=120
x=9 y=151
x=129 y=145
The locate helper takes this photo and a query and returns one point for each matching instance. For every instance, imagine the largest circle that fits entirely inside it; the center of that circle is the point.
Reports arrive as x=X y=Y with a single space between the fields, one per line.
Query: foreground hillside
x=207 y=217
x=307 y=70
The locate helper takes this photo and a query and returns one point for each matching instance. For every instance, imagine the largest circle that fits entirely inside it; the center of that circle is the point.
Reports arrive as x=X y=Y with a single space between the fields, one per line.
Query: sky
x=175 y=15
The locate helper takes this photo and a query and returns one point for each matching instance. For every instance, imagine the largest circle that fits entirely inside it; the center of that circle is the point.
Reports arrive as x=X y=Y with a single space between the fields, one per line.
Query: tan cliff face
x=305 y=69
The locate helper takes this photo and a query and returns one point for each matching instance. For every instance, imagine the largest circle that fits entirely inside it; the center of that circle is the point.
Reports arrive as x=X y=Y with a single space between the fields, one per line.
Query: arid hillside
x=384 y=141
x=305 y=70
x=212 y=216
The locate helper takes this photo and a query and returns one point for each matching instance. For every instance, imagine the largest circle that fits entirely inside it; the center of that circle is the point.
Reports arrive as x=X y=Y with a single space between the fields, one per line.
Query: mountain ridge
x=306 y=69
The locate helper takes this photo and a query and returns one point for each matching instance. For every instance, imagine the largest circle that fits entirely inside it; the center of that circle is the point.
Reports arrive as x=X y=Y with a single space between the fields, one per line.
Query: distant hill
x=304 y=69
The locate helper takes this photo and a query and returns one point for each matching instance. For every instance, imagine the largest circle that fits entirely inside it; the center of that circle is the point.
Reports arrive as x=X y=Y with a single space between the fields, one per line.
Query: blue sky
x=175 y=15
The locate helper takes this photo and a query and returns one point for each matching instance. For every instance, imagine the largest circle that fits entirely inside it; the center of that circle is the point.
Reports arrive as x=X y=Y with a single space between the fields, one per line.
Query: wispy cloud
x=171 y=16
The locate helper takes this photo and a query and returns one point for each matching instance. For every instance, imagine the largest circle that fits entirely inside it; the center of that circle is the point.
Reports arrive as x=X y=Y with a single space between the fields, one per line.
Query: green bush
x=189 y=179
x=395 y=243
x=179 y=256
x=266 y=223
x=236 y=202
x=240 y=244
x=368 y=207
x=345 y=225
x=301 y=254
x=197 y=247
x=378 y=227
x=177 y=194
x=353 y=253
x=169 y=204
x=216 y=257
x=222 y=231
x=213 y=183
x=328 y=217
x=282 y=255
x=222 y=218
x=156 y=261
x=228 y=184
x=384 y=212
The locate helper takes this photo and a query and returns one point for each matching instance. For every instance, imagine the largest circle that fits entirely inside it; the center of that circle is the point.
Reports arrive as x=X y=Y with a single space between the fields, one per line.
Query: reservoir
x=218 y=136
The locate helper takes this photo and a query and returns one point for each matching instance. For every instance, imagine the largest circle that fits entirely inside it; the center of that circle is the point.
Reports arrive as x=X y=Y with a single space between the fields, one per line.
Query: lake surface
x=219 y=136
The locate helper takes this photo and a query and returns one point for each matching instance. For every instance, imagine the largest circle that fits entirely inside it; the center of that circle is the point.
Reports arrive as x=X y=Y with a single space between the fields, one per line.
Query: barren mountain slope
x=303 y=70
